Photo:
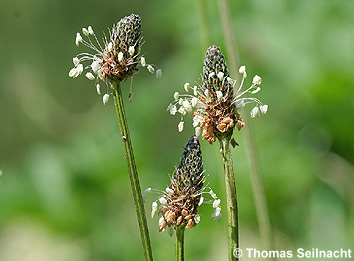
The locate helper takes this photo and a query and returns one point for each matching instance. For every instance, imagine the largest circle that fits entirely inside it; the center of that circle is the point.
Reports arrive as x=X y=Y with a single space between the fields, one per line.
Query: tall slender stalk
x=180 y=243
x=256 y=176
x=202 y=13
x=231 y=198
x=133 y=174
x=258 y=191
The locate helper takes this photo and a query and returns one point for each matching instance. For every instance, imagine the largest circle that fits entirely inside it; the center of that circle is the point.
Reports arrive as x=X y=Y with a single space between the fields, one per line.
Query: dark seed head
x=190 y=169
x=187 y=186
x=214 y=63
x=128 y=32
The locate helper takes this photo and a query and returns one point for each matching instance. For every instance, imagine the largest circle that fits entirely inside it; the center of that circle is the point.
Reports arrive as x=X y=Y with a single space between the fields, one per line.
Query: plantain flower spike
x=216 y=106
x=117 y=59
x=181 y=200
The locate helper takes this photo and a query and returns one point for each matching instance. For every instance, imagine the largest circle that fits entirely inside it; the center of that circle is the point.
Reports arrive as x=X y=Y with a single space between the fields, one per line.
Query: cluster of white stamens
x=188 y=103
x=94 y=69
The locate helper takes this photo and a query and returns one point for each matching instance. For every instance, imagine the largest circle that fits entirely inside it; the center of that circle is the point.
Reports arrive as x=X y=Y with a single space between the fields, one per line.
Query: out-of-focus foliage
x=65 y=192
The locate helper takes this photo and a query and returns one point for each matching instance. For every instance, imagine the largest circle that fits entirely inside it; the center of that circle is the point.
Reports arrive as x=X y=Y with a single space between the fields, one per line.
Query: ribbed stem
x=256 y=175
x=133 y=174
x=180 y=243
x=231 y=198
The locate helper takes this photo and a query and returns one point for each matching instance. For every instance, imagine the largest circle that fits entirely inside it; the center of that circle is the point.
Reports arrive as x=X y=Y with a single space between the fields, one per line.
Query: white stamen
x=182 y=110
x=90 y=30
x=90 y=76
x=73 y=73
x=158 y=73
x=256 y=90
x=150 y=68
x=163 y=201
x=143 y=61
x=217 y=214
x=147 y=191
x=255 y=112
x=180 y=126
x=80 y=68
x=240 y=104
x=212 y=194
x=120 y=57
x=257 y=80
x=242 y=69
x=176 y=96
x=219 y=95
x=85 y=31
x=98 y=89
x=78 y=39
x=173 y=109
x=76 y=61
x=162 y=219
x=197 y=119
x=264 y=108
x=231 y=81
x=197 y=219
x=197 y=131
x=216 y=203
x=220 y=75
x=105 y=98
x=186 y=86
x=95 y=66
x=131 y=50
x=153 y=209
x=195 y=91
x=187 y=105
x=110 y=47
x=201 y=201
x=194 y=101
x=169 y=190
x=206 y=92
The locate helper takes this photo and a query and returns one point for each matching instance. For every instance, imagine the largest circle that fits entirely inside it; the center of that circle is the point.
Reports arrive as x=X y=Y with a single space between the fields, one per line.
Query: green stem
x=256 y=175
x=231 y=198
x=229 y=36
x=259 y=194
x=202 y=13
x=180 y=243
x=133 y=174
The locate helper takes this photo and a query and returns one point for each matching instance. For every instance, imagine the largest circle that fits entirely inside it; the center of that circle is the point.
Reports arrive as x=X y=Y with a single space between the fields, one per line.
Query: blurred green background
x=64 y=189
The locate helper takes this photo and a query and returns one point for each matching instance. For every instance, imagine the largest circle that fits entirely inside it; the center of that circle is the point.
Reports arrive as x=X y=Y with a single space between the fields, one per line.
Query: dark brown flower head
x=186 y=188
x=120 y=57
x=128 y=32
x=220 y=113
x=214 y=65
x=214 y=104
x=117 y=60
x=180 y=201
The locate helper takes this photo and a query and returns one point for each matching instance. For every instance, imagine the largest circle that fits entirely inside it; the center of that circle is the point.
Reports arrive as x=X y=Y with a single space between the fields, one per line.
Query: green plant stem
x=256 y=175
x=231 y=198
x=229 y=36
x=259 y=194
x=133 y=174
x=202 y=13
x=180 y=243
